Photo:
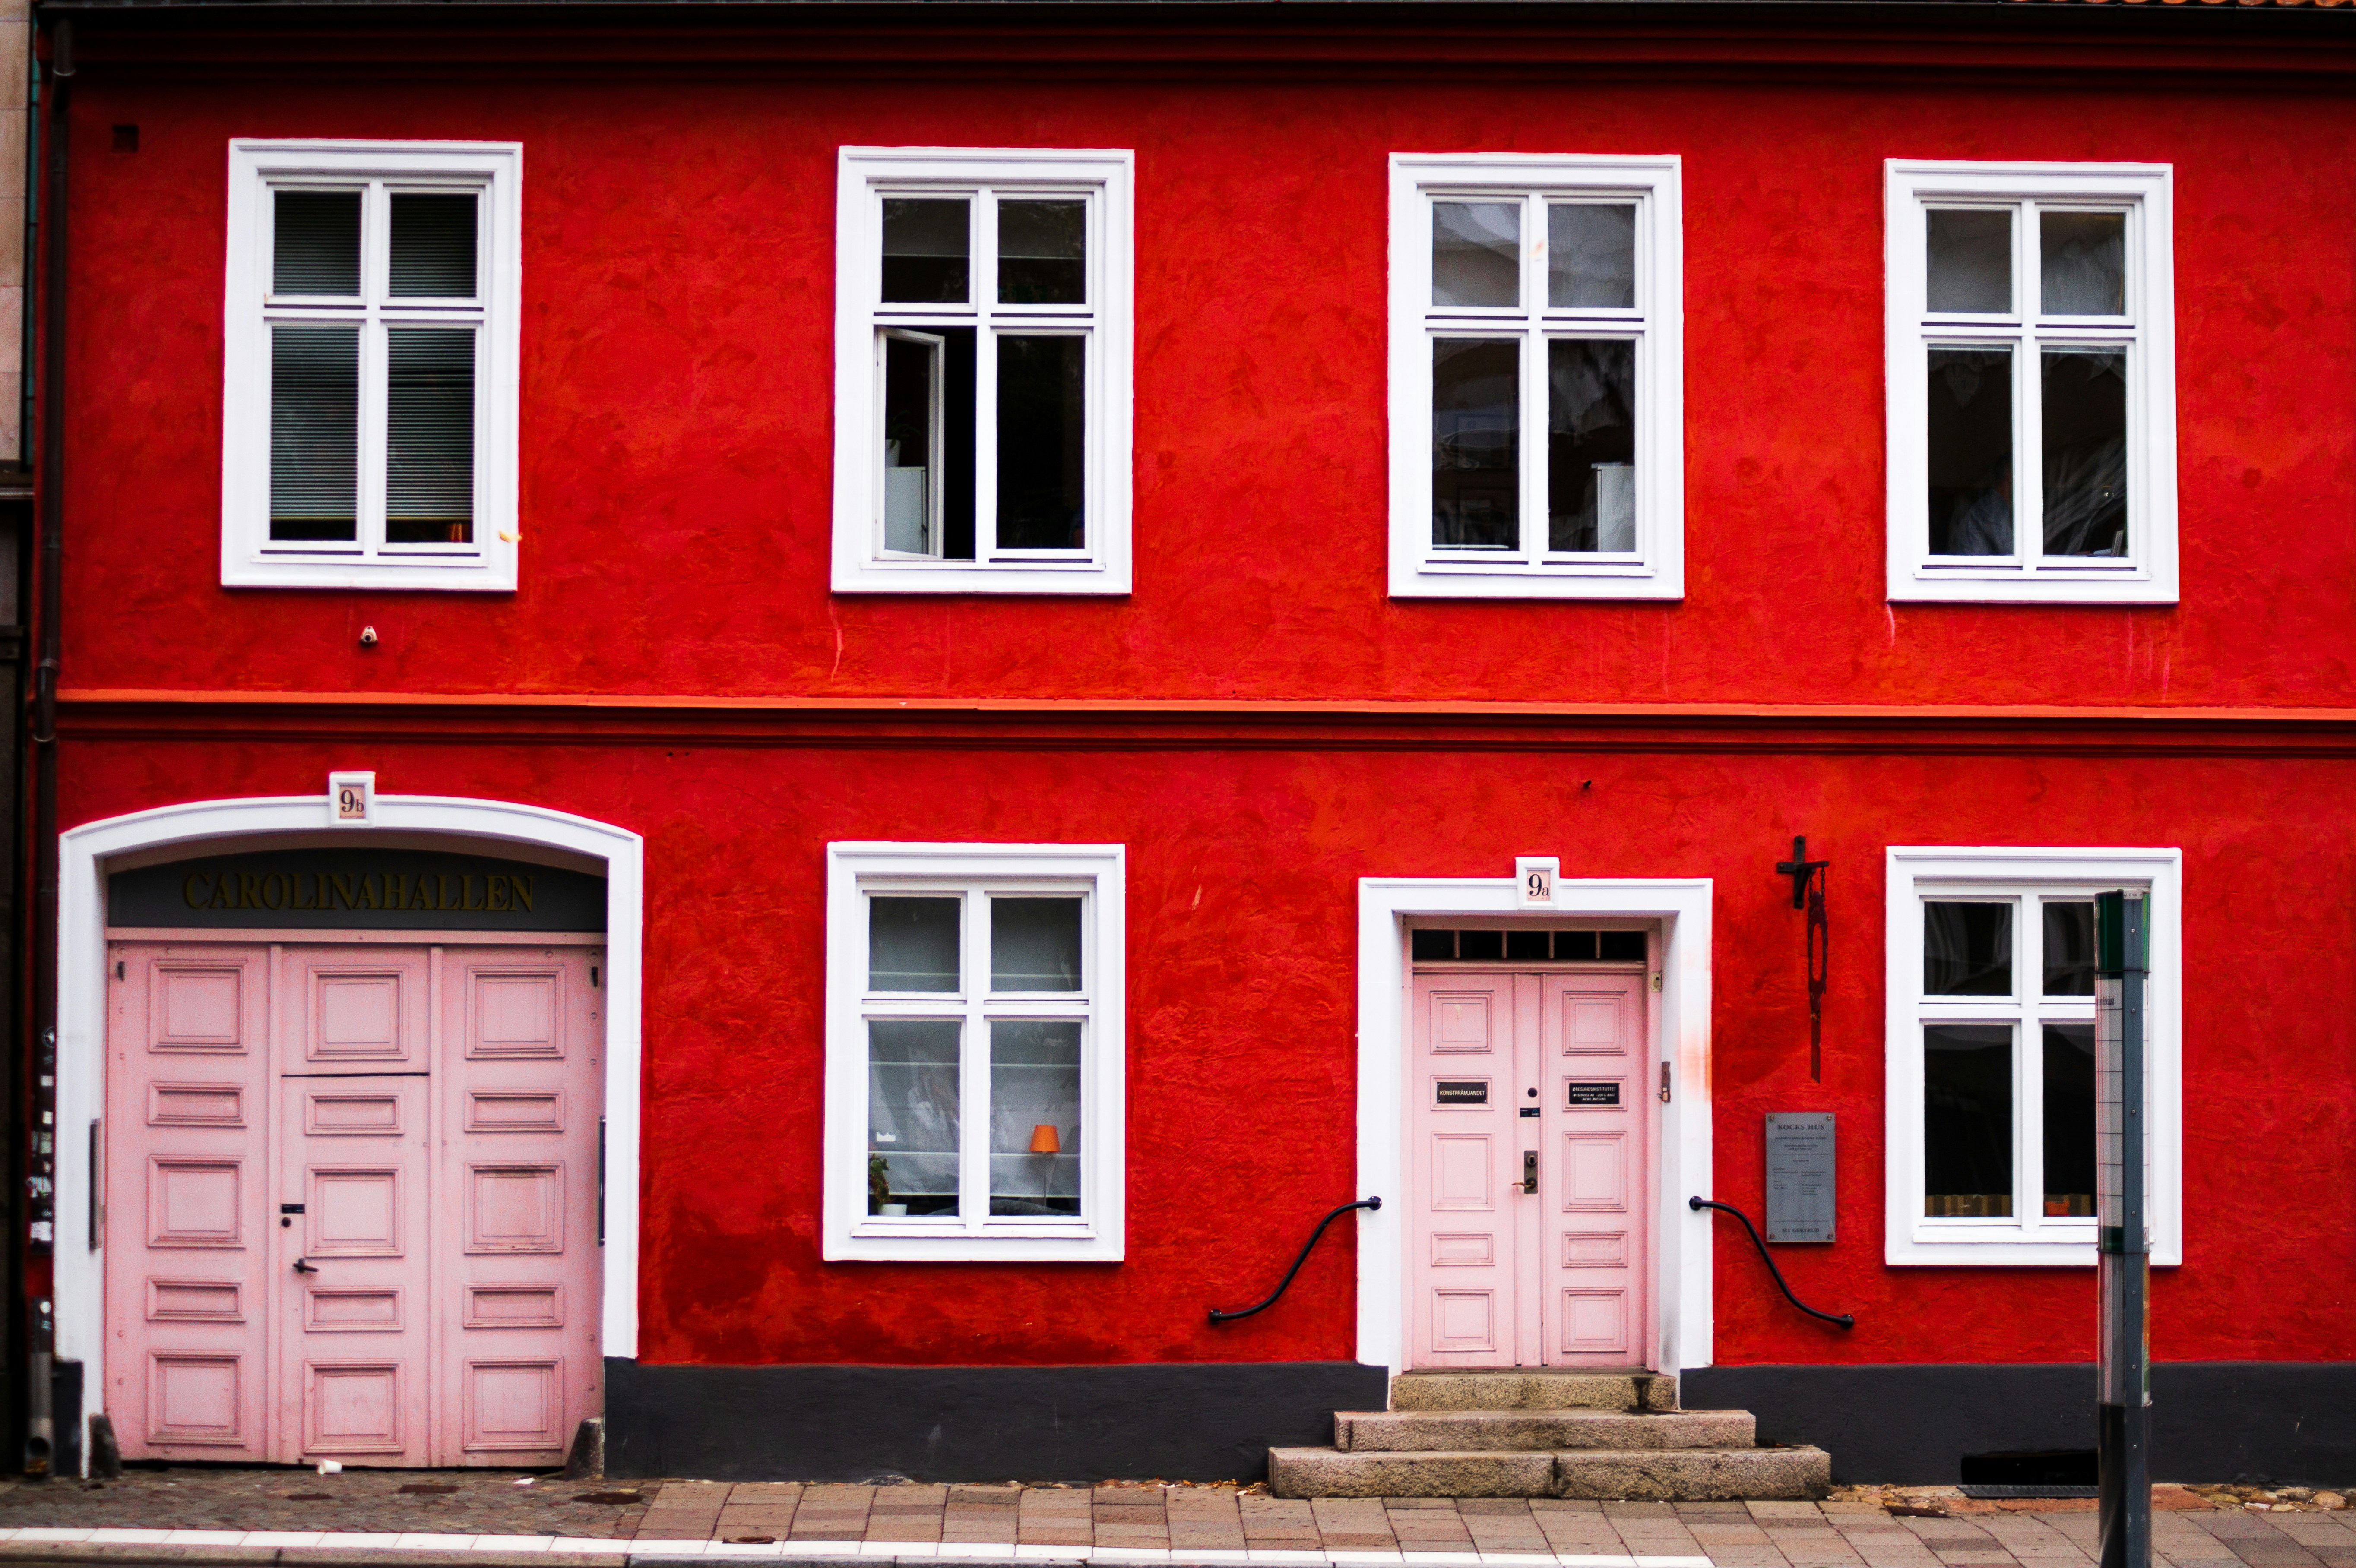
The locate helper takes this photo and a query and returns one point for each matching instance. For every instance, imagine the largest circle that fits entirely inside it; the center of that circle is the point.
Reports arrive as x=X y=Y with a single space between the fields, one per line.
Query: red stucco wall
x=679 y=267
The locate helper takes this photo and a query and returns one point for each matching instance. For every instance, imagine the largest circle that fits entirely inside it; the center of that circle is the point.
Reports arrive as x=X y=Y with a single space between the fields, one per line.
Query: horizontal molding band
x=1086 y=724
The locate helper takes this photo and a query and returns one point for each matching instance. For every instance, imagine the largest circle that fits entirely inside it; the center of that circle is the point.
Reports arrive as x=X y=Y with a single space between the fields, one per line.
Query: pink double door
x=1531 y=1126
x=351 y=1205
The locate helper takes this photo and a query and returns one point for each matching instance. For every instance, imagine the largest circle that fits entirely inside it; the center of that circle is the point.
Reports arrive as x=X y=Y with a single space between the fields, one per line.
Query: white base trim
x=1681 y=1248
x=82 y=861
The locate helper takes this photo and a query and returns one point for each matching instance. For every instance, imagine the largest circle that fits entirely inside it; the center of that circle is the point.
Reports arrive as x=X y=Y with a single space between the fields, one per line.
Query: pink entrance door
x=352 y=1200
x=1529 y=1169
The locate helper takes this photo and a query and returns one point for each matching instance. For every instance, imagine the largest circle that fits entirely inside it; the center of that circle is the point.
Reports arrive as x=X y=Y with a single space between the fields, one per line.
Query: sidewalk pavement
x=489 y=1519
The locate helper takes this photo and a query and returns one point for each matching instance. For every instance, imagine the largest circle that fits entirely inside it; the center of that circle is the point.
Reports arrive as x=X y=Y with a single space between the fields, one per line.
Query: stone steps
x=1682 y=1475
x=1474 y=1431
x=1531 y=1433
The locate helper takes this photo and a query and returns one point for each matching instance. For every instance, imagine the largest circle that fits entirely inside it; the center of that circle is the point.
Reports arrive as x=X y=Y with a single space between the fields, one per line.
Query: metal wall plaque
x=1800 y=1176
x=1594 y=1094
x=327 y=889
x=1466 y=1091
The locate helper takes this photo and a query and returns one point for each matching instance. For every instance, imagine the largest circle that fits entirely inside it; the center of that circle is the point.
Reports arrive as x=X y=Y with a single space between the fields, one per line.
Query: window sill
x=2000 y=1246
x=494 y=573
x=2087 y=585
x=1010 y=1243
x=1028 y=577
x=1478 y=579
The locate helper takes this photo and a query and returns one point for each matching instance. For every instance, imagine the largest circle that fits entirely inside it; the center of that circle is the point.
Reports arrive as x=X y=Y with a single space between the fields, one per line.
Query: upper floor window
x=1535 y=375
x=369 y=411
x=1991 y=1067
x=983 y=371
x=2031 y=383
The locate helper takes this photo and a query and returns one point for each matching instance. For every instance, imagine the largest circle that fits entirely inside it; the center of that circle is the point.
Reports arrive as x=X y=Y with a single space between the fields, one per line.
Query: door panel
x=182 y=1200
x=519 y=1364
x=355 y=1206
x=1597 y=1119
x=1463 y=1244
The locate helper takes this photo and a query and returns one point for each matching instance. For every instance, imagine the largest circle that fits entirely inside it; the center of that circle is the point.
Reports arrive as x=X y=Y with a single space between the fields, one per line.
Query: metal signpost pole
x=2124 y=1282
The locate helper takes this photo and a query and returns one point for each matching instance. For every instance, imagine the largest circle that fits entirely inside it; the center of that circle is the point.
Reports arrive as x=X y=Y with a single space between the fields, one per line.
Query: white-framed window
x=368 y=392
x=981 y=370
x=975 y=1051
x=1536 y=377
x=1990 y=1066
x=2031 y=383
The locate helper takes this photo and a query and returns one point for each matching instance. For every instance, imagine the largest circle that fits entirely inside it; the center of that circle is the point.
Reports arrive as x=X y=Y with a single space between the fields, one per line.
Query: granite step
x=1682 y=1475
x=1471 y=1431
x=1525 y=1389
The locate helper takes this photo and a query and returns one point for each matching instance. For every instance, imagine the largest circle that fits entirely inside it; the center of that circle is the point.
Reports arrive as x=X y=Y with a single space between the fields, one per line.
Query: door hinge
x=1665 y=1083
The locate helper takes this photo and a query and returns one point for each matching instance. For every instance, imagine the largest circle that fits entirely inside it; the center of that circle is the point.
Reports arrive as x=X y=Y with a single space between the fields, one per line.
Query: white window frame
x=1656 y=570
x=1917 y=875
x=249 y=558
x=866 y=176
x=2144 y=192
x=1096 y=871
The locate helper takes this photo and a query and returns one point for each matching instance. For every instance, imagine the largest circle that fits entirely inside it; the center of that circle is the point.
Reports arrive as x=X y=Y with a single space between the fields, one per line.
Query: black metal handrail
x=1369 y=1204
x=1846 y=1320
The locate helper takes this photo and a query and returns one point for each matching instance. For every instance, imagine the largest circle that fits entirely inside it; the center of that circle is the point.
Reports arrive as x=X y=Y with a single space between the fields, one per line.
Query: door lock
x=1529 y=1182
x=300 y=1266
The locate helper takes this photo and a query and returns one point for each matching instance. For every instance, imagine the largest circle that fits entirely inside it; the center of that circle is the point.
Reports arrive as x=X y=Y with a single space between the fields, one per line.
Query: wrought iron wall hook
x=1808 y=892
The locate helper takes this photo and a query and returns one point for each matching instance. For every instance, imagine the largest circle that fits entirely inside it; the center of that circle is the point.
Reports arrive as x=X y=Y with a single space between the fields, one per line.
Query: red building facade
x=1257 y=717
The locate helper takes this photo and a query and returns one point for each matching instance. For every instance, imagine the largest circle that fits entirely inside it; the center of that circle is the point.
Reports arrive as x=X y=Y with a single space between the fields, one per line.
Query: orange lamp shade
x=1044 y=1140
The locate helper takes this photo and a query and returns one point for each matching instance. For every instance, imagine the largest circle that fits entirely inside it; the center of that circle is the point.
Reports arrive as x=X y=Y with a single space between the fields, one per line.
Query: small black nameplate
x=1594 y=1094
x=290 y=1207
x=1475 y=1092
x=1530 y=1110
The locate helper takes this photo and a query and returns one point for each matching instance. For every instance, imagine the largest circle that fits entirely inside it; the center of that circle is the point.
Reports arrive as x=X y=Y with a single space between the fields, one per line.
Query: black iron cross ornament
x=1808 y=892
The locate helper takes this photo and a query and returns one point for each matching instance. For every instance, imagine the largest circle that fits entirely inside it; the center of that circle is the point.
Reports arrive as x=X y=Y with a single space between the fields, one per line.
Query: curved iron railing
x=1845 y=1320
x=1369 y=1204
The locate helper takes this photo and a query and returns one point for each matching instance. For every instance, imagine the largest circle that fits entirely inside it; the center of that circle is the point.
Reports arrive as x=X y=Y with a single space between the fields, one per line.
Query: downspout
x=40 y=1437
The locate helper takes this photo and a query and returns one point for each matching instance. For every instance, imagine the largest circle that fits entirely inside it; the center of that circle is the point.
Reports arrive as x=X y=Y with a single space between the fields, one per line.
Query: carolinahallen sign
x=408 y=890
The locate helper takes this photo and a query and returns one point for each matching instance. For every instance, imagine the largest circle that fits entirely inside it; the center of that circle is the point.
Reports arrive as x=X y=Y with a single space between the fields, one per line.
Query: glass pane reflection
x=2086 y=453
x=1590 y=445
x=2069 y=948
x=1035 y=944
x=1967 y=949
x=912 y=1117
x=912 y=944
x=1590 y=257
x=1971 y=451
x=1475 y=443
x=1970 y=262
x=2070 y=1119
x=2082 y=262
x=926 y=251
x=1967 y=1120
x=1034 y=1119
x=1476 y=253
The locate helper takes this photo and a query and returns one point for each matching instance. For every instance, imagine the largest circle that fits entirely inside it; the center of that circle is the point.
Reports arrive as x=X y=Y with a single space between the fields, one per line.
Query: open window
x=982 y=372
x=2032 y=384
x=369 y=414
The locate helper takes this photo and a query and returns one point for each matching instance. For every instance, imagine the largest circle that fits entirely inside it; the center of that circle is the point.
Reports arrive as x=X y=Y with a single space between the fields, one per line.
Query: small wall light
x=1044 y=1140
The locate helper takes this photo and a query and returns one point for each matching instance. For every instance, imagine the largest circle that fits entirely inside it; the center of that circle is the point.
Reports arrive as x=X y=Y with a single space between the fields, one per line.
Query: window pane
x=2083 y=257
x=1622 y=946
x=1590 y=445
x=912 y=1117
x=1967 y=1120
x=1970 y=262
x=1590 y=257
x=314 y=425
x=2069 y=1119
x=1043 y=252
x=1483 y=945
x=1967 y=949
x=912 y=944
x=315 y=242
x=1529 y=944
x=1475 y=443
x=1576 y=946
x=927 y=250
x=1476 y=252
x=957 y=441
x=1971 y=451
x=1041 y=443
x=1035 y=944
x=2069 y=949
x=1034 y=1119
x=433 y=245
x=2086 y=453
x=1432 y=944
x=912 y=376
x=429 y=496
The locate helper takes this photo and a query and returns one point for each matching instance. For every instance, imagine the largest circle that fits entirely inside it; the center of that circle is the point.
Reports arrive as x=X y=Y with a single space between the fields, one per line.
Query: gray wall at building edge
x=1203 y=1421
x=2272 y=1422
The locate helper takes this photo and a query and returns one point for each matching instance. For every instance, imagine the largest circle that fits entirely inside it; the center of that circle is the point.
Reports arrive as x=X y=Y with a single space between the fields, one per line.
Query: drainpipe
x=40 y=1437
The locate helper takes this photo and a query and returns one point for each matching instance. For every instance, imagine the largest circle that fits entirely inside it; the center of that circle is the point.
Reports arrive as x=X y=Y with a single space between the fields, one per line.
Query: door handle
x=300 y=1266
x=1529 y=1182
